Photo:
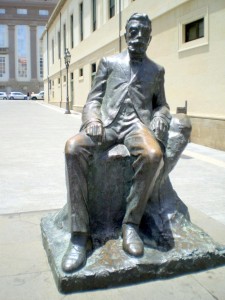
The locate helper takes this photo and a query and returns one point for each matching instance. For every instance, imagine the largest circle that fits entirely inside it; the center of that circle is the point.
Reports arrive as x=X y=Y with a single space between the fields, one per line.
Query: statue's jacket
x=113 y=84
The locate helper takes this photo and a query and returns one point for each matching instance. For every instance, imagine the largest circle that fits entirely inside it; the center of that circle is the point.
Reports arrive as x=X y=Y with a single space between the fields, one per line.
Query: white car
x=17 y=96
x=39 y=96
x=3 y=96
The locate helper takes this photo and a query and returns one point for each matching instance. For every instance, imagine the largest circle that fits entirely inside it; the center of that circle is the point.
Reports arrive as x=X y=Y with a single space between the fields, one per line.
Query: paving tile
x=35 y=286
x=40 y=286
x=184 y=287
x=23 y=258
x=21 y=228
x=213 y=281
x=220 y=217
x=214 y=228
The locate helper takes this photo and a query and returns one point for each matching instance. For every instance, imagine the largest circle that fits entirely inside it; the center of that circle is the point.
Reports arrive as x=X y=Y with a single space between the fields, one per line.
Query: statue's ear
x=125 y=35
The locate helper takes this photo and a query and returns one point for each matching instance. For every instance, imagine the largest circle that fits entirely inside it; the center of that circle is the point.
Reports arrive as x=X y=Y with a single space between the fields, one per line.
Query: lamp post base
x=67 y=111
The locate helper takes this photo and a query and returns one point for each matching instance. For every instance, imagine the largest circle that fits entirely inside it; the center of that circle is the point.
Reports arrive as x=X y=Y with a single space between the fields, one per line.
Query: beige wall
x=209 y=132
x=197 y=74
x=194 y=71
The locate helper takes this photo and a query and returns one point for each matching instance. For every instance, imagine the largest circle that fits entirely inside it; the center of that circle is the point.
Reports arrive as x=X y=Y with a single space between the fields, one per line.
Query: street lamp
x=67 y=57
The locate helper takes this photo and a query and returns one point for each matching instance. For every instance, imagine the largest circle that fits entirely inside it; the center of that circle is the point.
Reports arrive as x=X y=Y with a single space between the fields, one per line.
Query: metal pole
x=120 y=26
x=60 y=48
x=67 y=111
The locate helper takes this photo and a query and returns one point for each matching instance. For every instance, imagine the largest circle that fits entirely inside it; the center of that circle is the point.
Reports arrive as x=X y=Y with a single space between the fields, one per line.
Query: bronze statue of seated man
x=126 y=105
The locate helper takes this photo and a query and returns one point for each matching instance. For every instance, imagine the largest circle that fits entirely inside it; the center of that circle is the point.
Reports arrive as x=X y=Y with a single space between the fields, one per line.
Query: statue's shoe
x=76 y=255
x=132 y=243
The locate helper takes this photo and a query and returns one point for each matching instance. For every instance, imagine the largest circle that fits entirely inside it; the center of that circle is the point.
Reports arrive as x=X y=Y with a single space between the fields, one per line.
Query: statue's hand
x=159 y=126
x=95 y=130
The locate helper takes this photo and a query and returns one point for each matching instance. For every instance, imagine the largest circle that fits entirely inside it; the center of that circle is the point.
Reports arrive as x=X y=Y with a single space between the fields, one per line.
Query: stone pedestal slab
x=110 y=266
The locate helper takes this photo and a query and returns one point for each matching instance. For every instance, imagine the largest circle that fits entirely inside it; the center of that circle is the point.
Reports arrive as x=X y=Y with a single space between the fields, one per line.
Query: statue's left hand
x=95 y=130
x=159 y=126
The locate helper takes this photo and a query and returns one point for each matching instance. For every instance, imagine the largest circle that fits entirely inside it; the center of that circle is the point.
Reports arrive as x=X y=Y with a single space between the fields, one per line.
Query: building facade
x=188 y=40
x=21 y=60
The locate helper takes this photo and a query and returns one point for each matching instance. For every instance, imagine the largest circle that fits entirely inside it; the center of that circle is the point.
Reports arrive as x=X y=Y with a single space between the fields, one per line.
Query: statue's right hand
x=95 y=129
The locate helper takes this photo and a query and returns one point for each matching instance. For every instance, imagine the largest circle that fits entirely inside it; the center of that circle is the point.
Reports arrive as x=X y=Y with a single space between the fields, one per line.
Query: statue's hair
x=140 y=17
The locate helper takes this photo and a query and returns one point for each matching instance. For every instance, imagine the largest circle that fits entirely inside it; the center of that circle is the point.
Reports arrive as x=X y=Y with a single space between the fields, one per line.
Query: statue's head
x=138 y=34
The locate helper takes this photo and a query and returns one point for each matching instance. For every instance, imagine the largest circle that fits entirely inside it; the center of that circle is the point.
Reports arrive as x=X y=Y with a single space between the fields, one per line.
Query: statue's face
x=138 y=37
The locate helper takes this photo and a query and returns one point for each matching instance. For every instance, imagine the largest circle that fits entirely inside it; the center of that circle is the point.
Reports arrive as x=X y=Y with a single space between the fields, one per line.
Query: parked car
x=39 y=96
x=17 y=96
x=3 y=96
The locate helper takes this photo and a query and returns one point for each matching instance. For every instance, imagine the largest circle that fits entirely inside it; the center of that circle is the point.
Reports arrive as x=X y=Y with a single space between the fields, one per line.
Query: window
x=81 y=22
x=22 y=67
x=111 y=8
x=58 y=81
x=81 y=72
x=22 y=51
x=2 y=11
x=40 y=30
x=3 y=36
x=93 y=68
x=22 y=11
x=71 y=87
x=71 y=32
x=64 y=78
x=59 y=44
x=64 y=36
x=2 y=66
x=194 y=30
x=94 y=16
x=93 y=72
x=43 y=12
x=41 y=73
x=52 y=51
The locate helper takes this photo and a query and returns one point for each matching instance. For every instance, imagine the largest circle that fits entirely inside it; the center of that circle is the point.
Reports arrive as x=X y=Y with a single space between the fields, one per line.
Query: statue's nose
x=139 y=33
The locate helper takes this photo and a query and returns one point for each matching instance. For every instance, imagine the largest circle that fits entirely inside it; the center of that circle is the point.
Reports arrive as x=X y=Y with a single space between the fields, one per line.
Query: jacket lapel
x=124 y=64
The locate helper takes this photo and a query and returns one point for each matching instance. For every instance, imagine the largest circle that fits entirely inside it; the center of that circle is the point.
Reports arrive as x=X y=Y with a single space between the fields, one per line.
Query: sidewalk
x=32 y=137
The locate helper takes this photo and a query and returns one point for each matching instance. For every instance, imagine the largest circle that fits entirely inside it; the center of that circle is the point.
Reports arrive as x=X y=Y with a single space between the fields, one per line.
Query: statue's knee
x=72 y=146
x=156 y=156
x=153 y=157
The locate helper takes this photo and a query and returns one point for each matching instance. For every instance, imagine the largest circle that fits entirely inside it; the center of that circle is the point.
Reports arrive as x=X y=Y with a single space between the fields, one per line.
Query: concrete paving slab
x=32 y=155
x=39 y=286
x=213 y=281
x=22 y=258
x=36 y=286
x=201 y=185
x=19 y=229
x=184 y=288
x=214 y=228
